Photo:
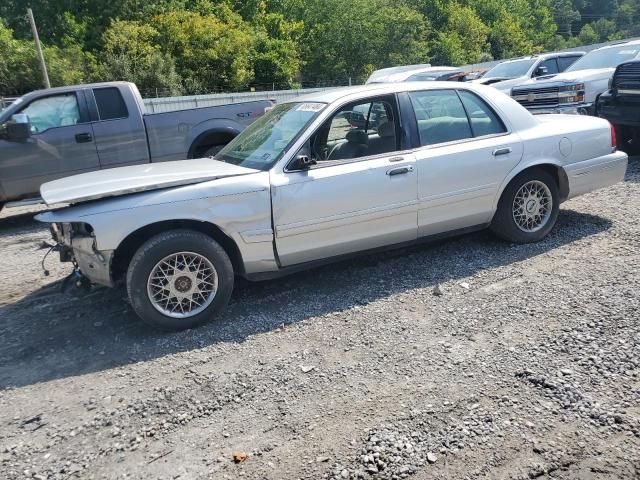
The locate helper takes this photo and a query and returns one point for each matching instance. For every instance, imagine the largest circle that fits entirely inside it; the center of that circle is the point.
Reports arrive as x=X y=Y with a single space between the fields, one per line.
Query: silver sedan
x=323 y=177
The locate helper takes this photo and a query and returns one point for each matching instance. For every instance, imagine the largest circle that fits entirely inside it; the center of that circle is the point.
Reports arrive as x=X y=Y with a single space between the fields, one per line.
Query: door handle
x=83 y=137
x=400 y=170
x=502 y=151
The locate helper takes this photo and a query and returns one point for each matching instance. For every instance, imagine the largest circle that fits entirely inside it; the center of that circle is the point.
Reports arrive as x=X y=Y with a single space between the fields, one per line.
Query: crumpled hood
x=571 y=77
x=137 y=178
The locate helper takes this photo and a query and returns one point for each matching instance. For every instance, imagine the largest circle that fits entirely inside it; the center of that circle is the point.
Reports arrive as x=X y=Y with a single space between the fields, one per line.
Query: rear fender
x=563 y=182
x=198 y=132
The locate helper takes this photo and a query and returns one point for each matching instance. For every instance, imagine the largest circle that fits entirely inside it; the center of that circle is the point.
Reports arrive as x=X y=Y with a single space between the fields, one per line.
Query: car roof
x=78 y=87
x=403 y=72
x=543 y=56
x=618 y=44
x=335 y=94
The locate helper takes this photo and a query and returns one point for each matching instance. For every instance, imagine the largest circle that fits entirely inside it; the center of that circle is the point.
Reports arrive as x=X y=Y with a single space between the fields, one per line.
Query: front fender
x=239 y=206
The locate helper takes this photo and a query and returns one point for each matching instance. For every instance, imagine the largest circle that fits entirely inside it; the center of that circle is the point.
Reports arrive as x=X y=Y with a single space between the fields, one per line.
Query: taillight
x=614 y=138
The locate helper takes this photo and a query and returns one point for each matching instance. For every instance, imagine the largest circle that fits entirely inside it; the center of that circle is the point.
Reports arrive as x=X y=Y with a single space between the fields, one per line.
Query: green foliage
x=194 y=46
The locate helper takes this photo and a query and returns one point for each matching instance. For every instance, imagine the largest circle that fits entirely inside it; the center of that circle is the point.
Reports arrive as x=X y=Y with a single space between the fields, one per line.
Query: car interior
x=357 y=131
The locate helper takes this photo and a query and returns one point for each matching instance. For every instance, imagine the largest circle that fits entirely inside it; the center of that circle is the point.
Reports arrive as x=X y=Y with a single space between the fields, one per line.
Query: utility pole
x=43 y=65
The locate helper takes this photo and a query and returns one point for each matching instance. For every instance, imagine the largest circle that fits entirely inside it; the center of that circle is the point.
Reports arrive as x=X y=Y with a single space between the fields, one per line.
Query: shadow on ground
x=48 y=335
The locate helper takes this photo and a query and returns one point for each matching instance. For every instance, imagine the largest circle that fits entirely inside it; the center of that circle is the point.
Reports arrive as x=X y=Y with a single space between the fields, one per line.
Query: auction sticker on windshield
x=310 y=107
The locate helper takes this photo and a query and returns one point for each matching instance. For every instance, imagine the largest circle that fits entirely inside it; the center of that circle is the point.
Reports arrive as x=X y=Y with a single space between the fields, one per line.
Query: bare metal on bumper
x=81 y=250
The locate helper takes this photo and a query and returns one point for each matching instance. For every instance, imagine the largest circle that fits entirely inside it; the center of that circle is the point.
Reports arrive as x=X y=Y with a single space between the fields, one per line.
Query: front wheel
x=528 y=208
x=179 y=279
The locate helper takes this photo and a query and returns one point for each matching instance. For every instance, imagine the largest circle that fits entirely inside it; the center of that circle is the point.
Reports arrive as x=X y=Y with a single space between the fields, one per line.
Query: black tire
x=504 y=225
x=628 y=139
x=158 y=248
x=212 y=151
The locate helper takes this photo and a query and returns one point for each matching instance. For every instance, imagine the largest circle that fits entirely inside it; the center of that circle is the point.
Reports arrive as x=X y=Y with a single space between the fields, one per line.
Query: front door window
x=357 y=130
x=52 y=112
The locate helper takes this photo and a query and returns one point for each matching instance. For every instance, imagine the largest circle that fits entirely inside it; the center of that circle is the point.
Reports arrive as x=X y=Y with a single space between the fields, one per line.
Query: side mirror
x=18 y=128
x=540 y=71
x=303 y=161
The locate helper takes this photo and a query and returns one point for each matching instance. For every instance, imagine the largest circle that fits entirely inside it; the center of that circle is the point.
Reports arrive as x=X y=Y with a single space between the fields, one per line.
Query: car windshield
x=516 y=68
x=606 y=58
x=264 y=141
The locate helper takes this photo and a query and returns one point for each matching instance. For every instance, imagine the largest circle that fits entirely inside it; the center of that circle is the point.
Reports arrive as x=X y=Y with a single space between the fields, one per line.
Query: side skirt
x=300 y=267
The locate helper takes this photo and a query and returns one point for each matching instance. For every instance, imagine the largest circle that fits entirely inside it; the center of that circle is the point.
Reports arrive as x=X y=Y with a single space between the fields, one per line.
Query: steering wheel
x=333 y=149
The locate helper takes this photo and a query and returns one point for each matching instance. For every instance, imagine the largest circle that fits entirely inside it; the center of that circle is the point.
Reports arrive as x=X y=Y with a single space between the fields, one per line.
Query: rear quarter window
x=110 y=103
x=484 y=121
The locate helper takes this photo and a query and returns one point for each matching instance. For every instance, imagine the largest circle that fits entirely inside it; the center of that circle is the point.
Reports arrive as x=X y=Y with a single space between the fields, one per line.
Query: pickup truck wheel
x=528 y=208
x=213 y=150
x=179 y=279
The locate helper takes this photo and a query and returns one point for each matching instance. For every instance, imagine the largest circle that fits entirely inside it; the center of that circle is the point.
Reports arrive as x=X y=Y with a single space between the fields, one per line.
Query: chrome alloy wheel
x=182 y=285
x=532 y=206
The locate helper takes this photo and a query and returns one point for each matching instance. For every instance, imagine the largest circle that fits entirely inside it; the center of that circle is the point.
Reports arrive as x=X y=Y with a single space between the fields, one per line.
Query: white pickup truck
x=578 y=88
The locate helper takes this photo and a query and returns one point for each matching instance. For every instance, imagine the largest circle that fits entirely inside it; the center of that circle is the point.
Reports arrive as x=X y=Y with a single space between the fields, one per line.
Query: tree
x=209 y=53
x=465 y=39
x=588 y=35
x=345 y=40
x=508 y=38
x=565 y=15
x=276 y=58
x=132 y=52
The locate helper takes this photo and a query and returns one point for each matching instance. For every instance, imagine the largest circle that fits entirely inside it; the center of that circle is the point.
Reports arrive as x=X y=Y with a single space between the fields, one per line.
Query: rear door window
x=440 y=116
x=110 y=103
x=484 y=121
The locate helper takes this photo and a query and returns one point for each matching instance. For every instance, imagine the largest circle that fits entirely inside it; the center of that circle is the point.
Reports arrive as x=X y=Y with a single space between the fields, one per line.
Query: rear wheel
x=179 y=279
x=212 y=151
x=528 y=208
x=628 y=139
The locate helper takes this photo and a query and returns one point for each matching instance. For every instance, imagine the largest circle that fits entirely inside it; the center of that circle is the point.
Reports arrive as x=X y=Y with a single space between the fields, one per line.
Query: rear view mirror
x=18 y=128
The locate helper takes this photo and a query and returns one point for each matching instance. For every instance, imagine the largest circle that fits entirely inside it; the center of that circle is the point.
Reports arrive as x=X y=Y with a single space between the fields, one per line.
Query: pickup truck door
x=61 y=144
x=118 y=125
x=466 y=153
x=362 y=193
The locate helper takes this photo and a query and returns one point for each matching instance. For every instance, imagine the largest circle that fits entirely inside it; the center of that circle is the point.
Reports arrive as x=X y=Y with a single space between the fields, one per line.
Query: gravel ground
x=523 y=363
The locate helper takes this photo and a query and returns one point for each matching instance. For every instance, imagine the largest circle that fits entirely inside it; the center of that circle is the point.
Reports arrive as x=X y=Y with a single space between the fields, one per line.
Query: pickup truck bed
x=621 y=105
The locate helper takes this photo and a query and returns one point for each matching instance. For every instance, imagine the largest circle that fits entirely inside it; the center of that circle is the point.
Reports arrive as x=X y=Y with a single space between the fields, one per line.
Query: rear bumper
x=620 y=109
x=600 y=172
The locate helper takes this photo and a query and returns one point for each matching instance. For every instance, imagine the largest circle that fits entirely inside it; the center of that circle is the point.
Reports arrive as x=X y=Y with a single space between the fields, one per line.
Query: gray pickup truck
x=54 y=133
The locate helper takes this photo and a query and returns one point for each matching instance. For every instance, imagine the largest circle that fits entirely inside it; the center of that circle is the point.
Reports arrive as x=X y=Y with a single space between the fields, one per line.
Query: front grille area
x=537 y=97
x=627 y=76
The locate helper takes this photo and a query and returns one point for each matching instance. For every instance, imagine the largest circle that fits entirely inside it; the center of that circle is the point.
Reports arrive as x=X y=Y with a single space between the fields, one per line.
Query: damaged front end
x=76 y=243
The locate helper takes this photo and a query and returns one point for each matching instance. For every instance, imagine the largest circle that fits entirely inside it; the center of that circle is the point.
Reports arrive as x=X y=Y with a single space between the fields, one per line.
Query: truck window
x=51 y=112
x=110 y=103
x=551 y=66
x=566 y=62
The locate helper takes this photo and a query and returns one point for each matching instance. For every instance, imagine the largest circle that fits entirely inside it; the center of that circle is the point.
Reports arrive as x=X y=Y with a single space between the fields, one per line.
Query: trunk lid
x=137 y=178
